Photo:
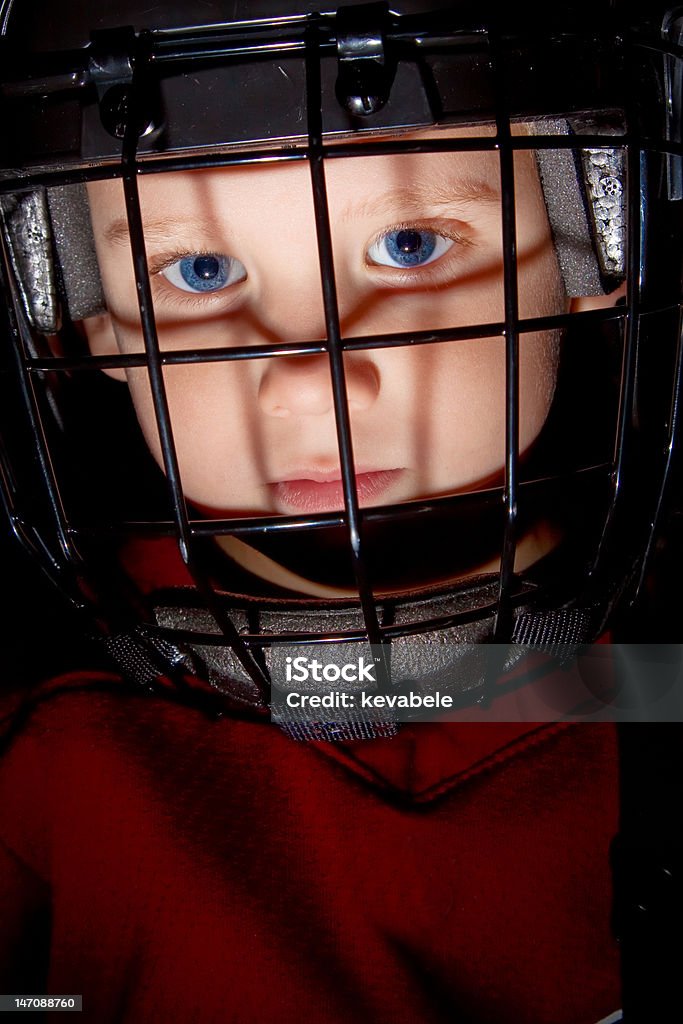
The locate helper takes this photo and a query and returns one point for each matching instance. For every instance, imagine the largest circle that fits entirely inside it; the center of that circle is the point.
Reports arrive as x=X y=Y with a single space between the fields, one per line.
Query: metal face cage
x=602 y=101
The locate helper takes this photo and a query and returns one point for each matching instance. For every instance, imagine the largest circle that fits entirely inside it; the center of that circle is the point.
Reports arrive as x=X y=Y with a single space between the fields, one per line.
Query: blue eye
x=205 y=273
x=408 y=247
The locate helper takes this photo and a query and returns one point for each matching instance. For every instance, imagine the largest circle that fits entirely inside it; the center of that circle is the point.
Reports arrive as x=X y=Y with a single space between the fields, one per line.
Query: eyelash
x=439 y=270
x=185 y=299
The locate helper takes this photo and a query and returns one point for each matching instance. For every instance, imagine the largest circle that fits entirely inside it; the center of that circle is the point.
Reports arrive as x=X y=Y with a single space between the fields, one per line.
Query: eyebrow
x=157 y=231
x=411 y=199
x=415 y=197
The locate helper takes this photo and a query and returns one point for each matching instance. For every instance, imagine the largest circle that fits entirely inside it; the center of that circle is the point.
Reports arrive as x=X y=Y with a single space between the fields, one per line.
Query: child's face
x=417 y=245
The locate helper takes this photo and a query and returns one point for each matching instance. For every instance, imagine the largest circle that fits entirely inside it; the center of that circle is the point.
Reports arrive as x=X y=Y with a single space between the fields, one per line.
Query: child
x=259 y=437
x=168 y=864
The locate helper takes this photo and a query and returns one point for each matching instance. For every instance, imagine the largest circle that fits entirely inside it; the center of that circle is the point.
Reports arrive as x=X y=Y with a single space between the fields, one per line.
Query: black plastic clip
x=365 y=72
x=113 y=55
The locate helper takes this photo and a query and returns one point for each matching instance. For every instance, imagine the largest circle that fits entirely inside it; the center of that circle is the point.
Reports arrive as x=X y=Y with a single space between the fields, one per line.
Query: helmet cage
x=365 y=72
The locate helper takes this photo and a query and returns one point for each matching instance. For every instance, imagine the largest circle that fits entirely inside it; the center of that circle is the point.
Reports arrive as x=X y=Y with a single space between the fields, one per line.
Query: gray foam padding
x=75 y=247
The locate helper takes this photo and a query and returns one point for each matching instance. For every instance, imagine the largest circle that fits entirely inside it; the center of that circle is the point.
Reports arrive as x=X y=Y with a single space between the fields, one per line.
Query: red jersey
x=172 y=868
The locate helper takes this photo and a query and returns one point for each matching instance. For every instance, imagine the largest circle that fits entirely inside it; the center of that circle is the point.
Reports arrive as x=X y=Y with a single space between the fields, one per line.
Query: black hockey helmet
x=132 y=93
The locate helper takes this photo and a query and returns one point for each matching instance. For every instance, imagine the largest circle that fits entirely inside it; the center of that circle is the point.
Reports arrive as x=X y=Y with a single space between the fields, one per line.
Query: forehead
x=358 y=186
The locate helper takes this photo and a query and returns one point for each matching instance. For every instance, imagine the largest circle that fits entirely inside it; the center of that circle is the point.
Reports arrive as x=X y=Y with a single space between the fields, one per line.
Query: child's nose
x=302 y=385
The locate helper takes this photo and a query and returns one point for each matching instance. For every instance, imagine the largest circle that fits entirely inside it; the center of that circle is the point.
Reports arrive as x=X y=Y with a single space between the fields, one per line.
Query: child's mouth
x=323 y=492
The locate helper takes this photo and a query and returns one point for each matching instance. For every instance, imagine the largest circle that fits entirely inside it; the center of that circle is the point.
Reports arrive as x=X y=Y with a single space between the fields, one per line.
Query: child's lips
x=323 y=492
